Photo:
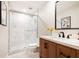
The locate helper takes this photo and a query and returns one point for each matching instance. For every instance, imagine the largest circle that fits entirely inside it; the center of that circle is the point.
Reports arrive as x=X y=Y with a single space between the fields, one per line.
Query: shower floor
x=26 y=53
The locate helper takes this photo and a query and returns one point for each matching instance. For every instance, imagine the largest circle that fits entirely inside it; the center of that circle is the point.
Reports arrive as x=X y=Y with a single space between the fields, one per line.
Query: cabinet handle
x=62 y=55
x=45 y=45
x=68 y=56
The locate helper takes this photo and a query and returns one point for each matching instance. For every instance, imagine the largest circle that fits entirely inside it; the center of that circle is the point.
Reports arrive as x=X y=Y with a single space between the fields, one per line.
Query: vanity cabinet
x=47 y=49
x=65 y=52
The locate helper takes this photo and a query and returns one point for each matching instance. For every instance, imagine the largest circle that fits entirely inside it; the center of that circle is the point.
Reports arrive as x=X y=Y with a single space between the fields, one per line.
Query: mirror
x=67 y=15
x=3 y=13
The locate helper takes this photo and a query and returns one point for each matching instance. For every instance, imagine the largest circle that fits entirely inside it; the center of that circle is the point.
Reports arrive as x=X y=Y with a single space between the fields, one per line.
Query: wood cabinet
x=77 y=55
x=65 y=52
x=50 y=49
x=47 y=49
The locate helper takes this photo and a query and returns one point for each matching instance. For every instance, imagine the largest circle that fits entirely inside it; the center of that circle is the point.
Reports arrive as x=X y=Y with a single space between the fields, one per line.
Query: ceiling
x=26 y=6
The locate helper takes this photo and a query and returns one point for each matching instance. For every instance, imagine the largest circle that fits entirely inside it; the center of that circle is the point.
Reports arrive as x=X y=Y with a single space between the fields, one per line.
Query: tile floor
x=27 y=53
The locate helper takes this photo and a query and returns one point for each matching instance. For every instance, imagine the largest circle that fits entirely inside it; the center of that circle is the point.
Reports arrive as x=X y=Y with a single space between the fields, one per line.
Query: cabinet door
x=77 y=55
x=43 y=48
x=65 y=52
x=52 y=50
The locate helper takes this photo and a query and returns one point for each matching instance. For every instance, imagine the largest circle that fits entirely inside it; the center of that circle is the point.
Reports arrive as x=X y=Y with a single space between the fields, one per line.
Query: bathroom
x=24 y=23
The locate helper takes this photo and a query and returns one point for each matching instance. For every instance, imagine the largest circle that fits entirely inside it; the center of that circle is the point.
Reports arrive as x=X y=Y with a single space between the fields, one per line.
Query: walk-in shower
x=23 y=31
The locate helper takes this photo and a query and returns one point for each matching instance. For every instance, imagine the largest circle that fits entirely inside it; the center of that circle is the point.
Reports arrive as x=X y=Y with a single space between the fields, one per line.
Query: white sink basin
x=69 y=41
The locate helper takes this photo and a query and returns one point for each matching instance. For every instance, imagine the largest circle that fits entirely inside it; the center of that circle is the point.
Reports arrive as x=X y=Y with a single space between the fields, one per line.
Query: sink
x=66 y=40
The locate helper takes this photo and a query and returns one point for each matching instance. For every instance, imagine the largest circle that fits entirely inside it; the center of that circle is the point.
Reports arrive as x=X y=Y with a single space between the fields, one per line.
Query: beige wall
x=3 y=41
x=46 y=14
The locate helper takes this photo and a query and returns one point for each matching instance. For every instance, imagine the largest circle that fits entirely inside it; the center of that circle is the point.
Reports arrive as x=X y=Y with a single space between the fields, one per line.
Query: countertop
x=73 y=43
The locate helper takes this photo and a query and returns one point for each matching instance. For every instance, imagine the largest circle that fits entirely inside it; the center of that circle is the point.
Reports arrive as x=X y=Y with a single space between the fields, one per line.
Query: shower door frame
x=9 y=27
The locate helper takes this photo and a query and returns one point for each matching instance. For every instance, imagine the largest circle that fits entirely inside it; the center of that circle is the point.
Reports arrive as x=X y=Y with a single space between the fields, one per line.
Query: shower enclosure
x=23 y=31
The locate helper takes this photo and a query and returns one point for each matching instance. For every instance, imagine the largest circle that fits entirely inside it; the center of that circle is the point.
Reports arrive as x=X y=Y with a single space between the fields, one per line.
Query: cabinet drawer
x=65 y=52
x=52 y=50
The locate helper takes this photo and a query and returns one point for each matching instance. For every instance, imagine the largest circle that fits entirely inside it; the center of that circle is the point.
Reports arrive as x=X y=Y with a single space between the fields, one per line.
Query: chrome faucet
x=63 y=36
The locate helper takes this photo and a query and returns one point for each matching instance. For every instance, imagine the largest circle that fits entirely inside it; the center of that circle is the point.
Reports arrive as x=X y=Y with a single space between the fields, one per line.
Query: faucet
x=68 y=36
x=63 y=36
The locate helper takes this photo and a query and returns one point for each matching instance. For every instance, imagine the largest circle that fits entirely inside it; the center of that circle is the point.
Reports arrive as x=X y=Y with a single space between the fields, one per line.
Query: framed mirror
x=66 y=15
x=3 y=20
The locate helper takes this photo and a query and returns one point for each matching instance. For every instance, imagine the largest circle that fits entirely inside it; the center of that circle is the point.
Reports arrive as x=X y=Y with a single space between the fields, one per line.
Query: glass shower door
x=23 y=31
x=30 y=31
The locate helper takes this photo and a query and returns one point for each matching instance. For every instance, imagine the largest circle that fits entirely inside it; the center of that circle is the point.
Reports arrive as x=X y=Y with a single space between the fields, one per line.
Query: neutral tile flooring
x=26 y=53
